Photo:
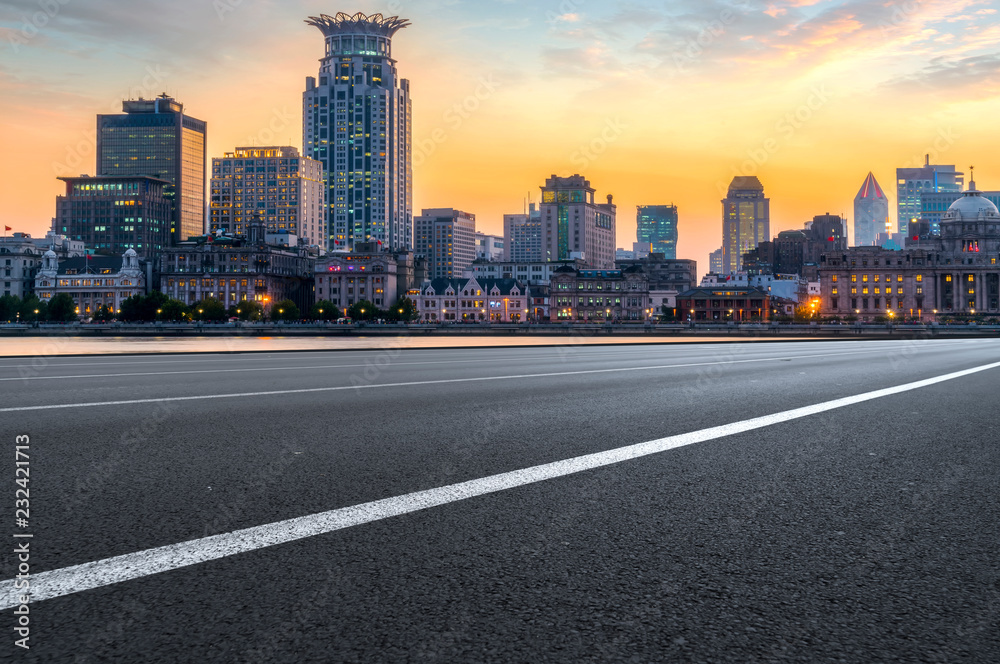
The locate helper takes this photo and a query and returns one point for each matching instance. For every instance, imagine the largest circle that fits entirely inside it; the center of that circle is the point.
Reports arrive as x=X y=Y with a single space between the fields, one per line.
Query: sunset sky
x=654 y=102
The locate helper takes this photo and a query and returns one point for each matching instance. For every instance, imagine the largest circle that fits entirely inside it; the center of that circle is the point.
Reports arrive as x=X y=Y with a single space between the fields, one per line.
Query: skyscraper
x=356 y=122
x=657 y=225
x=154 y=137
x=573 y=223
x=285 y=189
x=746 y=220
x=871 y=212
x=911 y=182
x=522 y=236
x=447 y=239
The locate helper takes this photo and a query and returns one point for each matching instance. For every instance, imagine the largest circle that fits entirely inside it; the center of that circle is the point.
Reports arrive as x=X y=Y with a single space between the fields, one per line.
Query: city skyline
x=473 y=133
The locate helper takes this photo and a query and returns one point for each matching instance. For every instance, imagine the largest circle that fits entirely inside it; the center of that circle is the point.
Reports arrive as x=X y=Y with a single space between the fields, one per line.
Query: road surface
x=796 y=502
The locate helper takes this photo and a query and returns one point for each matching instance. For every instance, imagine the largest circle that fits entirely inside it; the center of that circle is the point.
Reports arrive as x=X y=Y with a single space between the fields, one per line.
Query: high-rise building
x=356 y=122
x=657 y=225
x=871 y=212
x=746 y=220
x=286 y=190
x=154 y=137
x=573 y=224
x=522 y=236
x=447 y=239
x=715 y=261
x=112 y=214
x=912 y=182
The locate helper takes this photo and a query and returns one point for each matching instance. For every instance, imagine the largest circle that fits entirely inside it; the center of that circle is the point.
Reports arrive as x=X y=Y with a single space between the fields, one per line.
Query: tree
x=404 y=310
x=669 y=314
x=248 y=310
x=285 y=310
x=363 y=310
x=32 y=309
x=9 y=306
x=208 y=309
x=325 y=310
x=104 y=314
x=151 y=304
x=172 y=310
x=62 y=309
x=131 y=309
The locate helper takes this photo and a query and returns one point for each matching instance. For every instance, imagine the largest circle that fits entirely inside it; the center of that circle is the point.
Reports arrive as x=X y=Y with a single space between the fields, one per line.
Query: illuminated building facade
x=111 y=214
x=657 y=225
x=92 y=281
x=746 y=221
x=259 y=267
x=357 y=124
x=346 y=278
x=283 y=188
x=955 y=273
x=154 y=137
x=574 y=226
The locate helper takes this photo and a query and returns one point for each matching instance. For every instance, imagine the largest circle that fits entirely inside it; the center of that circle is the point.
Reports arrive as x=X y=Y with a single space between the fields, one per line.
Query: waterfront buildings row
x=954 y=273
x=21 y=259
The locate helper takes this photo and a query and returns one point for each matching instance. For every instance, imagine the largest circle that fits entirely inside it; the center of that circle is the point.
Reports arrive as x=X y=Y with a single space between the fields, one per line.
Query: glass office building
x=657 y=225
x=155 y=138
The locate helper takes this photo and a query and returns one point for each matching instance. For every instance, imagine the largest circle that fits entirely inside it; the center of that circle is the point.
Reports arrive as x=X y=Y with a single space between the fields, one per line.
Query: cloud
x=976 y=77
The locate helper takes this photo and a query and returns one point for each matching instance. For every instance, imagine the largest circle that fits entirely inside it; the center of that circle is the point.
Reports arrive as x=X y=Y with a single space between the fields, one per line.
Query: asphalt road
x=866 y=532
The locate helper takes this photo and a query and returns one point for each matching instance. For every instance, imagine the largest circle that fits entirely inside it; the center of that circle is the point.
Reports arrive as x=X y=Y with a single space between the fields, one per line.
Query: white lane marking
x=645 y=347
x=130 y=566
x=444 y=381
x=291 y=368
x=329 y=366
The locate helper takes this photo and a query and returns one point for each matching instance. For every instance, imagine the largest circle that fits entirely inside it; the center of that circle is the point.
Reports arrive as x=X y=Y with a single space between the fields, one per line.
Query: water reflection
x=54 y=346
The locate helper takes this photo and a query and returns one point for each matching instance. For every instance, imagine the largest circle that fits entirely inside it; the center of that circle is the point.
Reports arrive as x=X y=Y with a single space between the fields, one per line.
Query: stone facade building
x=473 y=300
x=261 y=268
x=92 y=281
x=599 y=295
x=955 y=273
x=346 y=278
x=725 y=303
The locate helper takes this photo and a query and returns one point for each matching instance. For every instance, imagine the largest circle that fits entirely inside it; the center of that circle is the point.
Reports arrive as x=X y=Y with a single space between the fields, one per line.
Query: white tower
x=356 y=122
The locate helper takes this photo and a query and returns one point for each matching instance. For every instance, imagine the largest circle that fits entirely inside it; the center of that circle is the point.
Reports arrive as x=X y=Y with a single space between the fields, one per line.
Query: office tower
x=715 y=261
x=912 y=182
x=871 y=212
x=746 y=215
x=356 y=122
x=154 y=137
x=573 y=224
x=112 y=214
x=657 y=225
x=522 y=236
x=286 y=190
x=447 y=239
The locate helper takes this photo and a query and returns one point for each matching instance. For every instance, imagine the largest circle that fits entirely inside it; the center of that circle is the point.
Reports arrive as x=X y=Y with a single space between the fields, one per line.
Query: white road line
x=248 y=354
x=444 y=381
x=334 y=366
x=292 y=368
x=130 y=566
